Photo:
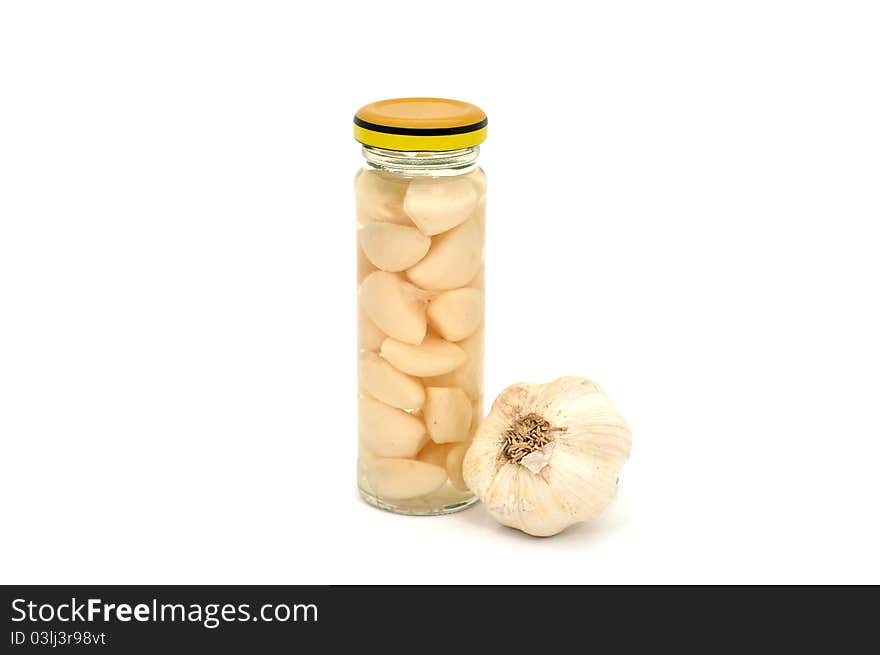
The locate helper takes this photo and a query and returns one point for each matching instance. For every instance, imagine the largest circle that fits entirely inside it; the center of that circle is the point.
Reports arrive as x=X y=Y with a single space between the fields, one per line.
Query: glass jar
x=421 y=218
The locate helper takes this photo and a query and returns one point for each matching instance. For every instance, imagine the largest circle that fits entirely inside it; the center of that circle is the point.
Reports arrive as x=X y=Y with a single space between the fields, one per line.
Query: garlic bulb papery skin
x=548 y=455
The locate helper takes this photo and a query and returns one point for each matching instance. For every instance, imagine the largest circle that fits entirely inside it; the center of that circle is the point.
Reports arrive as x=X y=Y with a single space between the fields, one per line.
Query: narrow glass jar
x=421 y=218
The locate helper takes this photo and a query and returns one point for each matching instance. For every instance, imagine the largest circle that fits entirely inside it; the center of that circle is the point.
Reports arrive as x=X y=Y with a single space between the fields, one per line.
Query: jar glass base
x=411 y=508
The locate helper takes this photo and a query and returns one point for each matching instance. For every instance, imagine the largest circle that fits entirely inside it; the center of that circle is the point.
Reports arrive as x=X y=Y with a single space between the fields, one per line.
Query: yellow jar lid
x=408 y=124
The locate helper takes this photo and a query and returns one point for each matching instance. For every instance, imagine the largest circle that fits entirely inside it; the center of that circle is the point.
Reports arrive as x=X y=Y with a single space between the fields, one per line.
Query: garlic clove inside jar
x=380 y=198
x=390 y=432
x=392 y=307
x=454 y=259
x=447 y=414
x=399 y=479
x=456 y=314
x=369 y=336
x=385 y=383
x=433 y=356
x=436 y=205
x=454 y=459
x=434 y=453
x=468 y=376
x=391 y=247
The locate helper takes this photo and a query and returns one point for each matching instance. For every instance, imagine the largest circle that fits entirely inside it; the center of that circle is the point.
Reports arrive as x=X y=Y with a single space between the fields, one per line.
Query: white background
x=684 y=201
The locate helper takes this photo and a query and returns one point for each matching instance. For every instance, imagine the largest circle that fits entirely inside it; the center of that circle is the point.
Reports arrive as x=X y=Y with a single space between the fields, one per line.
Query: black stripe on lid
x=415 y=131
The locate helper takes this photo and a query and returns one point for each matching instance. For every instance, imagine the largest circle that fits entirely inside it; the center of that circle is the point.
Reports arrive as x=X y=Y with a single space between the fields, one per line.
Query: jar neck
x=422 y=162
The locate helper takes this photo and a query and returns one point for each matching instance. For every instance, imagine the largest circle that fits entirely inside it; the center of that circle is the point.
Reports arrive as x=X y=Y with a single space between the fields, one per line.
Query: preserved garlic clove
x=384 y=382
x=476 y=416
x=456 y=314
x=453 y=260
x=390 y=432
x=454 y=459
x=548 y=455
x=478 y=179
x=369 y=336
x=380 y=198
x=436 y=205
x=393 y=247
x=468 y=376
x=398 y=479
x=447 y=414
x=421 y=296
x=364 y=266
x=393 y=308
x=434 y=453
x=479 y=281
x=432 y=357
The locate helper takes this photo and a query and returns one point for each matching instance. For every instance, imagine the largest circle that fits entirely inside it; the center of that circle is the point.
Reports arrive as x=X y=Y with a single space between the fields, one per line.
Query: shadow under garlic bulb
x=420 y=335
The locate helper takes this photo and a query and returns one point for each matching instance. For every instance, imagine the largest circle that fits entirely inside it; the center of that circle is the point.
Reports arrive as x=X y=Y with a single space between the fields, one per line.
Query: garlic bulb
x=548 y=455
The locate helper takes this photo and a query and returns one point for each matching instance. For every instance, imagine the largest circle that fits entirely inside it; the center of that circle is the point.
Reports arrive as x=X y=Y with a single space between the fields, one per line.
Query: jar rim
x=422 y=162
